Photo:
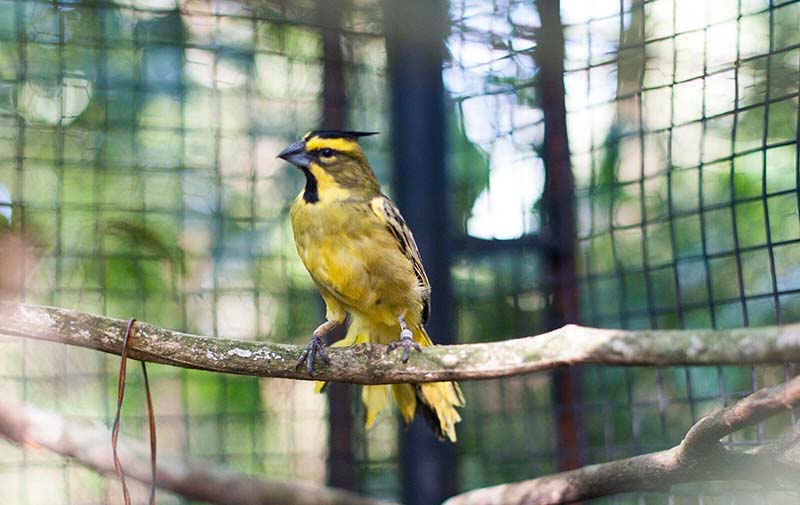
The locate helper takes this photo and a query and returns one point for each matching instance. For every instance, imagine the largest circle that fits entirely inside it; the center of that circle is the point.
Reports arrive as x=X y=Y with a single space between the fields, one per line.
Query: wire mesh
x=137 y=143
x=683 y=130
x=138 y=161
x=680 y=204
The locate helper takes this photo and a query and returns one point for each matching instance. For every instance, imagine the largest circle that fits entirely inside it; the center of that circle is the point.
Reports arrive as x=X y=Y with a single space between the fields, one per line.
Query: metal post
x=415 y=34
x=559 y=219
x=341 y=461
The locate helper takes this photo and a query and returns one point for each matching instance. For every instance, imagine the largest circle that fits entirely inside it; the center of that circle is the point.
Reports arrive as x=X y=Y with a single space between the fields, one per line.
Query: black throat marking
x=310 y=195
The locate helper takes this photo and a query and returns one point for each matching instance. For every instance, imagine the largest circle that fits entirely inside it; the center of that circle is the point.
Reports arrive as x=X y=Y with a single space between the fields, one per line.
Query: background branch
x=699 y=457
x=370 y=364
x=89 y=445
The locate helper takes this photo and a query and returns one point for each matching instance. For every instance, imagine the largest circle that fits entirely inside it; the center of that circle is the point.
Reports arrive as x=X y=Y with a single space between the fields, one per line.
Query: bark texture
x=699 y=457
x=372 y=364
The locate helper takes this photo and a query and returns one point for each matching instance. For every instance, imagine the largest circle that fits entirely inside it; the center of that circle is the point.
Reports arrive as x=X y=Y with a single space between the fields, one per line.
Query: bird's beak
x=296 y=154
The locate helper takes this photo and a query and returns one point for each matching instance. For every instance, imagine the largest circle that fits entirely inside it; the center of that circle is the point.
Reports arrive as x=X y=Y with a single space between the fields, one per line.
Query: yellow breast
x=348 y=251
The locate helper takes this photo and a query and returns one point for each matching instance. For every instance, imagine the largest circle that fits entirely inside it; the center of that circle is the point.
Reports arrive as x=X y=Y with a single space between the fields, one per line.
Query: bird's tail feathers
x=436 y=401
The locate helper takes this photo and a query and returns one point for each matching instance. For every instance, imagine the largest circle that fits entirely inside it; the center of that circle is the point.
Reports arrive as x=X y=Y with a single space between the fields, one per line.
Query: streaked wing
x=389 y=214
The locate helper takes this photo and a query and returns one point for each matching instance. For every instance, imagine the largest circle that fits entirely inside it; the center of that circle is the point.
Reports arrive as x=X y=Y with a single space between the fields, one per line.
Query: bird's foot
x=406 y=342
x=315 y=346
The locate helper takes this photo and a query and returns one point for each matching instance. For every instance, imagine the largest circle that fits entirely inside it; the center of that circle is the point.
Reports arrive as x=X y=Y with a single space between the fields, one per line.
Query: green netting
x=138 y=178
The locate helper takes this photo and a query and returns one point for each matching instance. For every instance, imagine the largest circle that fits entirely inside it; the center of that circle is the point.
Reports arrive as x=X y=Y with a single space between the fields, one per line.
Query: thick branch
x=699 y=457
x=371 y=364
x=194 y=479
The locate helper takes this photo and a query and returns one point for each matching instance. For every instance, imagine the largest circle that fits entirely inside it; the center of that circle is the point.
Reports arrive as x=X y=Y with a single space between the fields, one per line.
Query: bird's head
x=333 y=163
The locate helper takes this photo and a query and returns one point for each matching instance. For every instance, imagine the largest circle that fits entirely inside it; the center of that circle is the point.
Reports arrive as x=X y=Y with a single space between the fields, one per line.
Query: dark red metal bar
x=559 y=222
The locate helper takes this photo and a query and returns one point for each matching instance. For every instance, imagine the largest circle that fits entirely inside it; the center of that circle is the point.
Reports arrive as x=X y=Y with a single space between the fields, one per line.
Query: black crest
x=339 y=134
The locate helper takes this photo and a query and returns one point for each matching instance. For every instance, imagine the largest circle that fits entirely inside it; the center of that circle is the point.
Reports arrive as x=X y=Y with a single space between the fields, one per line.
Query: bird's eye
x=326 y=153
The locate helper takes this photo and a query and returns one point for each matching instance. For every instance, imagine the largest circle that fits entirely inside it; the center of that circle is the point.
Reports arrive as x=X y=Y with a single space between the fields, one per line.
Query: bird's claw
x=406 y=342
x=315 y=346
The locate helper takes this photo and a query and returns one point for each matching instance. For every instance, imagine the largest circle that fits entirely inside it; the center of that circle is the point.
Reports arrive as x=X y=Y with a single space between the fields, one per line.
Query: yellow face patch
x=326 y=184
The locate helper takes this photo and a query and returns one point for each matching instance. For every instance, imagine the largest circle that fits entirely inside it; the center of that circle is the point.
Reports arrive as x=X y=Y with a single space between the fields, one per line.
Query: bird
x=364 y=261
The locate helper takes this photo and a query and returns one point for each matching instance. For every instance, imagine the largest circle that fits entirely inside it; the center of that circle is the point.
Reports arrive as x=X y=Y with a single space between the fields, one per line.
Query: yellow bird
x=364 y=261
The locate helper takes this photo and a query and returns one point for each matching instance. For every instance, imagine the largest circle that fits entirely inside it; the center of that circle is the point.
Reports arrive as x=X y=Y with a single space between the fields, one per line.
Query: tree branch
x=192 y=478
x=371 y=364
x=699 y=457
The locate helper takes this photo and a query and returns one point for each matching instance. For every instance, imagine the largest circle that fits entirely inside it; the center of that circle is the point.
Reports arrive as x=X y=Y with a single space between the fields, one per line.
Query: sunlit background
x=138 y=178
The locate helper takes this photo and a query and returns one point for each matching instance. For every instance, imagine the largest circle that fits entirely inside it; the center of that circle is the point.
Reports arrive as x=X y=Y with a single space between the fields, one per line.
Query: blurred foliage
x=136 y=162
x=666 y=227
x=686 y=184
x=137 y=147
x=469 y=169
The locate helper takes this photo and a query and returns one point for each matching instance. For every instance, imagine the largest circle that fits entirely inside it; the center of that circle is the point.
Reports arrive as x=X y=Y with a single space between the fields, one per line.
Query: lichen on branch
x=372 y=364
